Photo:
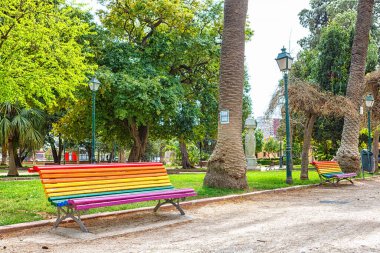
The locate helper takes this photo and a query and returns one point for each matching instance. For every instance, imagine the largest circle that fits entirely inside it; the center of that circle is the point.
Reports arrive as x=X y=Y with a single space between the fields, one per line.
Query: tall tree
x=348 y=154
x=40 y=56
x=227 y=166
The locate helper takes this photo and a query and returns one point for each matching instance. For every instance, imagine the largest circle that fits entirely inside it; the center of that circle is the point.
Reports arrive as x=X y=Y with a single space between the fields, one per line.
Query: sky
x=275 y=24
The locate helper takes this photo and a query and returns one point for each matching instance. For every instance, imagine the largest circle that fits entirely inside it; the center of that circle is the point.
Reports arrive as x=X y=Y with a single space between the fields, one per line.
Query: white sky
x=275 y=24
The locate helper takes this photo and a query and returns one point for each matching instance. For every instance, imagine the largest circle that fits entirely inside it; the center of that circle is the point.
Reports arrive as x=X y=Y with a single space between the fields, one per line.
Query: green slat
x=55 y=200
x=331 y=174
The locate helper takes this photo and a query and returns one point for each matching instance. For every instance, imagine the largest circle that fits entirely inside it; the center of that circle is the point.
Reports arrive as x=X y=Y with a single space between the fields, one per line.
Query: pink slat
x=98 y=199
x=346 y=175
x=120 y=202
x=106 y=165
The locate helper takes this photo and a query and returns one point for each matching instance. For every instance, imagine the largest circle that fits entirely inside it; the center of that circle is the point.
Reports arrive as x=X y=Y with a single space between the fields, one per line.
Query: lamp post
x=284 y=61
x=94 y=86
x=369 y=101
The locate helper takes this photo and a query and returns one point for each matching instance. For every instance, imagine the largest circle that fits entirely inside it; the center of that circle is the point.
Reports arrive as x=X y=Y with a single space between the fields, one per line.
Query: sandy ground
x=321 y=219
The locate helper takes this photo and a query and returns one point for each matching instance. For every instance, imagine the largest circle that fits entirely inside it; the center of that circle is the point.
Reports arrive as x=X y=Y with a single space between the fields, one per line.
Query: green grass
x=23 y=201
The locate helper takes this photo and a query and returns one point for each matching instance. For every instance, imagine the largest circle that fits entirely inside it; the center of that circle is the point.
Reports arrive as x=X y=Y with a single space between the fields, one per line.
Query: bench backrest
x=76 y=181
x=327 y=167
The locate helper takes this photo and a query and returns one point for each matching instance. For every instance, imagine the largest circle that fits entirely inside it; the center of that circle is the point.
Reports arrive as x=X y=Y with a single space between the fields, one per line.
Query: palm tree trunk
x=12 y=171
x=184 y=155
x=348 y=153
x=4 y=152
x=306 y=146
x=227 y=166
x=375 y=148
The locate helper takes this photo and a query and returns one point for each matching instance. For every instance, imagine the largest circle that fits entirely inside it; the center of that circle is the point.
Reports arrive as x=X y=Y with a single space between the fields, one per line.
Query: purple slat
x=109 y=198
x=346 y=175
x=128 y=201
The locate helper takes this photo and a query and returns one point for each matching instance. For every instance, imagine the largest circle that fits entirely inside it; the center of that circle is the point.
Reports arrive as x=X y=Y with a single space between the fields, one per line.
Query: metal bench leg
x=174 y=202
x=63 y=214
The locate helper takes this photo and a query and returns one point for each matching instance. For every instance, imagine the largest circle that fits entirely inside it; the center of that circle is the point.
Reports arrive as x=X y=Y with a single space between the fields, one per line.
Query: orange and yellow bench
x=73 y=188
x=329 y=171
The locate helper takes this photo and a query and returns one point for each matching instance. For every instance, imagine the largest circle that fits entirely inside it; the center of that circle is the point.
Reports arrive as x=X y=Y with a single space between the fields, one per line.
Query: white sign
x=224 y=117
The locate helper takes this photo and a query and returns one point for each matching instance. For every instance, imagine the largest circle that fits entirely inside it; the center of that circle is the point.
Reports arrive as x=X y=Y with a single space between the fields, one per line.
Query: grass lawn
x=23 y=201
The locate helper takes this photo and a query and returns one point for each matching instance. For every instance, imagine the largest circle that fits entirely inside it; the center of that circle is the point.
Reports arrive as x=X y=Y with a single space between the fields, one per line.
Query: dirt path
x=322 y=219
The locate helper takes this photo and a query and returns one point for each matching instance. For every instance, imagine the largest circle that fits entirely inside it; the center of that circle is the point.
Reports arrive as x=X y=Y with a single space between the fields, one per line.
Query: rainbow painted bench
x=329 y=171
x=75 y=188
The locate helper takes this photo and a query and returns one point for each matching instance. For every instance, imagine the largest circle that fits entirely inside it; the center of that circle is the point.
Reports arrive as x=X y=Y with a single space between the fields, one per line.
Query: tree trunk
x=375 y=148
x=12 y=171
x=140 y=141
x=4 y=152
x=53 y=149
x=112 y=154
x=122 y=157
x=227 y=166
x=306 y=146
x=162 y=153
x=184 y=155
x=348 y=153
x=18 y=160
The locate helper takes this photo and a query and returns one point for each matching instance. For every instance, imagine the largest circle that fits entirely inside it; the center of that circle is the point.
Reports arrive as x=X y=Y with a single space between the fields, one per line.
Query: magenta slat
x=98 y=199
x=121 y=202
x=345 y=175
x=84 y=166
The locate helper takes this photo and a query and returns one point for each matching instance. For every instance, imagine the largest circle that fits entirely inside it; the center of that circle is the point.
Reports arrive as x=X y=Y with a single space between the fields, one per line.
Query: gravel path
x=321 y=219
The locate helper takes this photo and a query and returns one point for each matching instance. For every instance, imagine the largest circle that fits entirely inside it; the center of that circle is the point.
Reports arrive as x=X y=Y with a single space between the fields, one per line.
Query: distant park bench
x=329 y=171
x=73 y=188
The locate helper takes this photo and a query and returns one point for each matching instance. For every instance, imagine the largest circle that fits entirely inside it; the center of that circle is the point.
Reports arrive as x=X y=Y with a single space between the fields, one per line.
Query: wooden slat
x=37 y=168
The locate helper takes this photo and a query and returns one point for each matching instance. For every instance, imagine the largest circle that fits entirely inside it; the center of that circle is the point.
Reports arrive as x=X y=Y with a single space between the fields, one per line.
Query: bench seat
x=75 y=188
x=330 y=172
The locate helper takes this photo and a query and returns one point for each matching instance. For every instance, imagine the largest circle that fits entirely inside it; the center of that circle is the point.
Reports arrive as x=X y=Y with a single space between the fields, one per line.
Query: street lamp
x=369 y=101
x=284 y=61
x=94 y=86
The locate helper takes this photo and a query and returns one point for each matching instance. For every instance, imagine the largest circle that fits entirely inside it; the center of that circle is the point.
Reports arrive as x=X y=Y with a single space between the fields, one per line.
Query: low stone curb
x=34 y=224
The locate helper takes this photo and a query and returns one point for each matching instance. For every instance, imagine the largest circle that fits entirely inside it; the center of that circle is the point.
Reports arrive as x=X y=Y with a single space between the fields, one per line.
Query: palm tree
x=227 y=166
x=348 y=153
x=19 y=128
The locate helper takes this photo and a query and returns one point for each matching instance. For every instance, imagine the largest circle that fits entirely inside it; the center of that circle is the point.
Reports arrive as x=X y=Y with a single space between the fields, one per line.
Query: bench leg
x=174 y=202
x=63 y=214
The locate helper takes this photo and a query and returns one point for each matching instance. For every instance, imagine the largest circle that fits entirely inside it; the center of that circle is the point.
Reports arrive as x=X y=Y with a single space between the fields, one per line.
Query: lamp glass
x=284 y=60
x=369 y=101
x=94 y=84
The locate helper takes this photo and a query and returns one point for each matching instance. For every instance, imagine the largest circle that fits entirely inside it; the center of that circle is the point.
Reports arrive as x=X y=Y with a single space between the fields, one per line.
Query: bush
x=267 y=161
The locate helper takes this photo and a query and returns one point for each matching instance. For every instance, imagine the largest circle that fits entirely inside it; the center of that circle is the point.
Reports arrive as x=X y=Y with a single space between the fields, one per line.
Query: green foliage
x=271 y=145
x=40 y=57
x=259 y=135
